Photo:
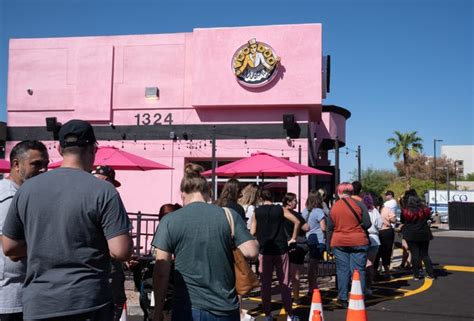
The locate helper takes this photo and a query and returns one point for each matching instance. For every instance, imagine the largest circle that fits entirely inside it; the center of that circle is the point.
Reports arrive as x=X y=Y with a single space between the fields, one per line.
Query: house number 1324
x=146 y=119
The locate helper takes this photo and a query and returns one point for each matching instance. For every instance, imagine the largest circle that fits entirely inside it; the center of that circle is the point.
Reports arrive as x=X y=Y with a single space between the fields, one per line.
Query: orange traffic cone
x=316 y=311
x=356 y=310
x=316 y=316
x=124 y=313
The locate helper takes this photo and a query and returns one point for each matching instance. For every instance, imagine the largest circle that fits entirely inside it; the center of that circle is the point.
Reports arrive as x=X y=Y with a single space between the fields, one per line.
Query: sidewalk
x=442 y=230
x=133 y=297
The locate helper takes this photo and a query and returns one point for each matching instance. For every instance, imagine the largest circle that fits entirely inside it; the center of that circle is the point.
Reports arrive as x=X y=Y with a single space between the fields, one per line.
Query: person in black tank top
x=268 y=227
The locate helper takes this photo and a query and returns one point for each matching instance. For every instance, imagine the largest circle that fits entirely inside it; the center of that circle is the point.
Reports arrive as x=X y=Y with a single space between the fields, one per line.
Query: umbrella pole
x=213 y=164
x=299 y=181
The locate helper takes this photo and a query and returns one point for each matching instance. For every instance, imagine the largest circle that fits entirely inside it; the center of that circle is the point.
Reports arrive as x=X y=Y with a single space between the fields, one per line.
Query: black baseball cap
x=76 y=133
x=389 y=193
x=108 y=172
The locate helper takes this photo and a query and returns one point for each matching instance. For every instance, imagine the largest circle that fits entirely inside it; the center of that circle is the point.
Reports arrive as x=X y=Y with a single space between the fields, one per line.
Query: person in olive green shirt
x=199 y=237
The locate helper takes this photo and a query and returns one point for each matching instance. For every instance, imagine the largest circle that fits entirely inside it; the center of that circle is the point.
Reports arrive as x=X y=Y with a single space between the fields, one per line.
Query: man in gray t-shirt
x=27 y=159
x=69 y=224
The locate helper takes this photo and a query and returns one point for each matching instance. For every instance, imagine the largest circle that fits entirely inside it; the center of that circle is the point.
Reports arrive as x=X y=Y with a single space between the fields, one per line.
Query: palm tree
x=405 y=145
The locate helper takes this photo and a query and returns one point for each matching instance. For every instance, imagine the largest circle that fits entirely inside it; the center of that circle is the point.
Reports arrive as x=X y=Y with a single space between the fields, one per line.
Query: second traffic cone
x=356 y=310
x=124 y=313
x=316 y=305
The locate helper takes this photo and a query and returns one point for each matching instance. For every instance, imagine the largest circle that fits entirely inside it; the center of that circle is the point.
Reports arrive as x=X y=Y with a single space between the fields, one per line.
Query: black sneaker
x=343 y=303
x=431 y=277
x=416 y=278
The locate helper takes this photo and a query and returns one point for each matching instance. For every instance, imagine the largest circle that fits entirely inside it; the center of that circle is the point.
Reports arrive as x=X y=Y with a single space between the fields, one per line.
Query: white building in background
x=464 y=154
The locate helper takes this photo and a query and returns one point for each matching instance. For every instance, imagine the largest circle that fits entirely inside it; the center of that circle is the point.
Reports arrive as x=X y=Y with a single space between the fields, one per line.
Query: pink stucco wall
x=103 y=79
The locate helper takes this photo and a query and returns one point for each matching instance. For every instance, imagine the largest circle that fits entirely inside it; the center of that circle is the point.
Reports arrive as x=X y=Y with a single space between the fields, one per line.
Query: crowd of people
x=65 y=235
x=356 y=230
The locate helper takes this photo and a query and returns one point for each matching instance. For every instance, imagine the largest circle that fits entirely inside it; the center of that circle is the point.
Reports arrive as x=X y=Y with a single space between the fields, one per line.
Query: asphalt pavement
x=448 y=298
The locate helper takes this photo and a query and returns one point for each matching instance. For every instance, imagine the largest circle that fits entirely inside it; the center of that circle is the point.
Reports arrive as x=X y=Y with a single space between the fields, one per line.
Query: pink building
x=160 y=96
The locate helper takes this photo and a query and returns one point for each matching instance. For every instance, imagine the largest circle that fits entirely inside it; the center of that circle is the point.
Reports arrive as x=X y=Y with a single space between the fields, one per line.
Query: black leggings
x=419 y=251
x=385 y=249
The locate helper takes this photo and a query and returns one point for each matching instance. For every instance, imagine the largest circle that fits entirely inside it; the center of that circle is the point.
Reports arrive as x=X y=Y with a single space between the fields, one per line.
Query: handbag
x=245 y=278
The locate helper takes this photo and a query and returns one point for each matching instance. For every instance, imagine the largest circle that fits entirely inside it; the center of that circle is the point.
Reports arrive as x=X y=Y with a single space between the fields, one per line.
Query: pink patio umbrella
x=4 y=166
x=263 y=164
x=121 y=160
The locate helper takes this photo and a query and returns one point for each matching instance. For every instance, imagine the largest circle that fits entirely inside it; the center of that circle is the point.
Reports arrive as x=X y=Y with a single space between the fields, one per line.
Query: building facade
x=165 y=97
x=463 y=155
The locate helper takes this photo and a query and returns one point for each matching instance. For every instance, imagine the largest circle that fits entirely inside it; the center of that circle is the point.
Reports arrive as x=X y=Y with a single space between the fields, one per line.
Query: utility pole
x=336 y=176
x=359 y=175
x=434 y=160
x=447 y=183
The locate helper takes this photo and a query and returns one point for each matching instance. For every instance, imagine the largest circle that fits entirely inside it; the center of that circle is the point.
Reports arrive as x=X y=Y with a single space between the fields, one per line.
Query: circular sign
x=255 y=64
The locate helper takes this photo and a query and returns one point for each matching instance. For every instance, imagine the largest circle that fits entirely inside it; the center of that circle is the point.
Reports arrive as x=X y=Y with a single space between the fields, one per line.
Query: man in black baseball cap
x=76 y=133
x=85 y=221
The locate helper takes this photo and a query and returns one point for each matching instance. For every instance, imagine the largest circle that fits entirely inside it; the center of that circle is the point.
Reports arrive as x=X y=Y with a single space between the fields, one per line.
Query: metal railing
x=144 y=227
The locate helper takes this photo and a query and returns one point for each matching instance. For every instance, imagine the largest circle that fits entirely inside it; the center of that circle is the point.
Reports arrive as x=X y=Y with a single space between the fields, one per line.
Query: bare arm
x=14 y=249
x=305 y=227
x=392 y=217
x=322 y=224
x=161 y=273
x=249 y=249
x=253 y=225
x=120 y=247
x=295 y=221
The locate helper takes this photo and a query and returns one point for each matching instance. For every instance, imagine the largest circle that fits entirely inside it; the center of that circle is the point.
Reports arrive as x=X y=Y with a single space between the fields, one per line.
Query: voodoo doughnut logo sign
x=255 y=64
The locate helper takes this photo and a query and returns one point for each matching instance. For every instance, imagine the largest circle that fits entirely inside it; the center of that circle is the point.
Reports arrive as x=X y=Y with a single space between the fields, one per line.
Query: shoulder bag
x=245 y=278
x=359 y=219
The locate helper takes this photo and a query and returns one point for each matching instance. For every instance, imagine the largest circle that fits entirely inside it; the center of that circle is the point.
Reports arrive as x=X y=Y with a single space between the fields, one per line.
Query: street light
x=434 y=159
x=456 y=163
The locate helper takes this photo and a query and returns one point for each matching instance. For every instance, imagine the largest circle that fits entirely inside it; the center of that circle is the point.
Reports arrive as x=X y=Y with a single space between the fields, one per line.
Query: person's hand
x=132 y=262
x=292 y=243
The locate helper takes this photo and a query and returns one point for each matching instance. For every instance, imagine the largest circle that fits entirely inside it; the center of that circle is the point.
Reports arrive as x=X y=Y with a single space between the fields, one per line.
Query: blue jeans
x=349 y=258
x=191 y=314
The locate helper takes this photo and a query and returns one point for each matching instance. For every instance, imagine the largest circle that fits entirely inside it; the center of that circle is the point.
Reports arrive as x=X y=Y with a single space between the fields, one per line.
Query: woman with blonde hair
x=249 y=200
x=199 y=237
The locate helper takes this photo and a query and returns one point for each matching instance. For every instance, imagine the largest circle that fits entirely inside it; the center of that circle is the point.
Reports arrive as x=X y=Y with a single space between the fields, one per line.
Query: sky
x=404 y=65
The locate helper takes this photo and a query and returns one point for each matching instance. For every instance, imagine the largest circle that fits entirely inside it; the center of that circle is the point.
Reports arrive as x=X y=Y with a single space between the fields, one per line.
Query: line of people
x=353 y=230
x=62 y=271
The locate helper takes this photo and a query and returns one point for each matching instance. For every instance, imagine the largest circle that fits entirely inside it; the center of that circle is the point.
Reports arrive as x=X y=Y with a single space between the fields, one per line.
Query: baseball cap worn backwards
x=76 y=133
